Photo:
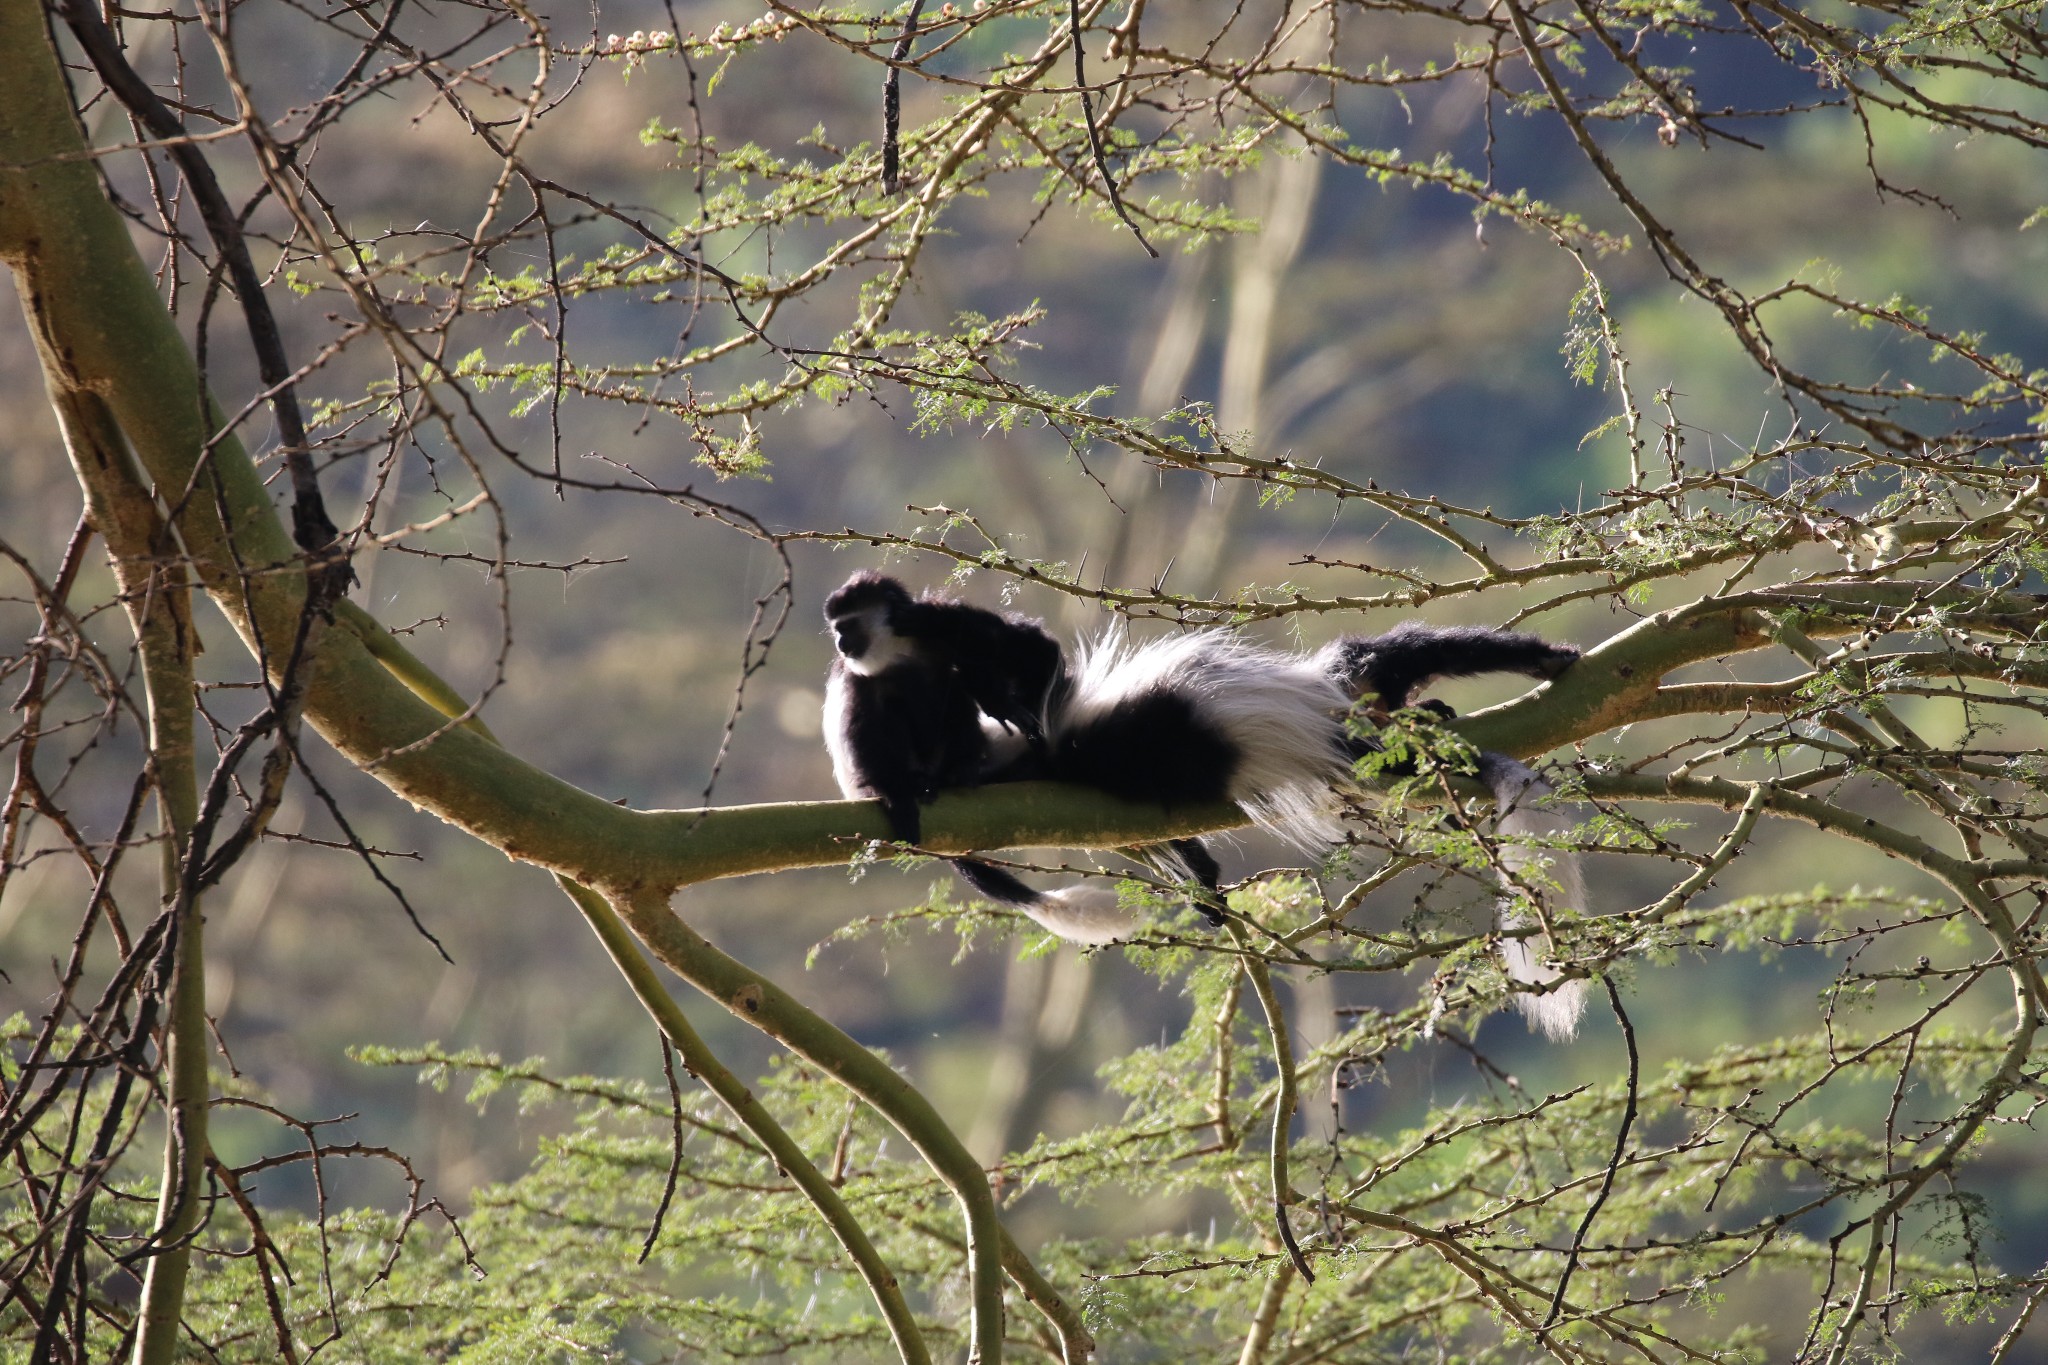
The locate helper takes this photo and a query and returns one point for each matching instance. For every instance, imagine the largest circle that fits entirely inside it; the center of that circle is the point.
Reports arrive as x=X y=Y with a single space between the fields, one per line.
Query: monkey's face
x=867 y=640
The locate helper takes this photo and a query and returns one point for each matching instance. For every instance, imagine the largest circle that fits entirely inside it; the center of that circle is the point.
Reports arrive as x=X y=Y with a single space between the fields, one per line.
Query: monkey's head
x=862 y=614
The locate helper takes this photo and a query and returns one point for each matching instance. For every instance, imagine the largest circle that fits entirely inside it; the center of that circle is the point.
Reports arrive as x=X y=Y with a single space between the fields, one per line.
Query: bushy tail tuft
x=1208 y=716
x=1087 y=913
x=1518 y=795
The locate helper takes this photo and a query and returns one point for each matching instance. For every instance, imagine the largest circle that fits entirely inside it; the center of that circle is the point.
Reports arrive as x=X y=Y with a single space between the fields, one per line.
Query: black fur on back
x=1153 y=747
x=1006 y=662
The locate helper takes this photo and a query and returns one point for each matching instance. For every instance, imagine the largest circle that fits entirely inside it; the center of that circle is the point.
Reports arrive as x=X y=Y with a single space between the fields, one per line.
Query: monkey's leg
x=1201 y=864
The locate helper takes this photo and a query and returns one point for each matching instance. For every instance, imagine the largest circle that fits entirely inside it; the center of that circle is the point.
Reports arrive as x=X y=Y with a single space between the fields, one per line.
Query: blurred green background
x=1381 y=332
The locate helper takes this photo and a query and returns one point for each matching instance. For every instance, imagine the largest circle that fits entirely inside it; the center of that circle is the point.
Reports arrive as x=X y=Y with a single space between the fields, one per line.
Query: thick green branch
x=702 y=1063
x=1283 y=1193
x=159 y=610
x=775 y=1012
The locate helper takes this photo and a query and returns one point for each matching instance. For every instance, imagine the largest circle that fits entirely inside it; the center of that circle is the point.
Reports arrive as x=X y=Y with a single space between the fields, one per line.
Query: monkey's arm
x=1391 y=668
x=1008 y=664
x=878 y=750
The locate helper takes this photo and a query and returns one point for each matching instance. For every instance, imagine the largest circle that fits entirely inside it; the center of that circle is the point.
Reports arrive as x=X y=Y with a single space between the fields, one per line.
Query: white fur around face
x=885 y=647
x=1282 y=712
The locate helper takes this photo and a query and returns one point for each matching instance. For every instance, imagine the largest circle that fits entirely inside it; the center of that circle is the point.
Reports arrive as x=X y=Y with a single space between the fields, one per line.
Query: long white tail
x=1519 y=793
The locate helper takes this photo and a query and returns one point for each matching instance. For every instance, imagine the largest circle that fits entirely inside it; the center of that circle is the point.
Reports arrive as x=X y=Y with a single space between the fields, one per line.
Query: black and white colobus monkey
x=928 y=693
x=1391 y=669
x=1208 y=716
x=1184 y=720
x=924 y=689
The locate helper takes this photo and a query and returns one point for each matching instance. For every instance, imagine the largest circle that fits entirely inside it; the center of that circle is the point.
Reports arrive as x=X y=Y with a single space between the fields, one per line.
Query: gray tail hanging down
x=1525 y=819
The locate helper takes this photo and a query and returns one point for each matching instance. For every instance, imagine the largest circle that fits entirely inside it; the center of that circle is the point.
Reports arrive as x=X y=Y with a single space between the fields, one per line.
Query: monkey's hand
x=906 y=821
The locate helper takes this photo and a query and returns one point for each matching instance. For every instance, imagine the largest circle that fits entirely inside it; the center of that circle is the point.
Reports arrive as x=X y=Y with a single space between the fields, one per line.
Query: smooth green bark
x=701 y=1062
x=159 y=611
